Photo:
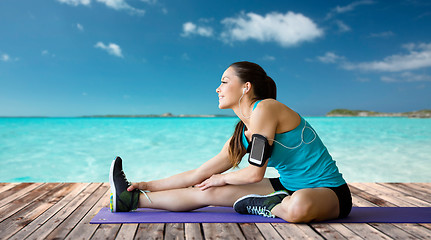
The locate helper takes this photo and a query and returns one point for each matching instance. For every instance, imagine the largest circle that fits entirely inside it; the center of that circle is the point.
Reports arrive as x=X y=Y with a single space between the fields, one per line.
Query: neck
x=244 y=109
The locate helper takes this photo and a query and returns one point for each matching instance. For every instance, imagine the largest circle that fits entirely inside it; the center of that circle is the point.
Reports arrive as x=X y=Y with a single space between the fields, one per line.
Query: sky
x=63 y=58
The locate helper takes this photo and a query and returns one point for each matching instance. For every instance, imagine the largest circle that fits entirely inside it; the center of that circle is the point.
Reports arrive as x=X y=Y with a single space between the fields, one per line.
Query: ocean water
x=81 y=149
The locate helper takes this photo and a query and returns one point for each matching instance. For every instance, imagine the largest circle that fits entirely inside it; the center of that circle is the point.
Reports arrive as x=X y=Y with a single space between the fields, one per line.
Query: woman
x=310 y=187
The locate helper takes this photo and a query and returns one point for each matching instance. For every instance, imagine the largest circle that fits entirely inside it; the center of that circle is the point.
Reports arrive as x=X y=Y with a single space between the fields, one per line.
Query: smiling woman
x=307 y=171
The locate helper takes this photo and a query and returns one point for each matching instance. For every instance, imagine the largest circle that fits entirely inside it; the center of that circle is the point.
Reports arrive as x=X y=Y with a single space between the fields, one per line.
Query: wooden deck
x=64 y=210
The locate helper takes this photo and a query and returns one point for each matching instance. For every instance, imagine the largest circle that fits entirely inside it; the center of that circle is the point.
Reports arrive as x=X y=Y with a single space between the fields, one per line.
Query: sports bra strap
x=255 y=104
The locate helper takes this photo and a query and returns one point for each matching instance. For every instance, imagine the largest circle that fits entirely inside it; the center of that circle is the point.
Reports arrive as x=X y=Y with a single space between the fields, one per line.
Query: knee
x=209 y=194
x=299 y=210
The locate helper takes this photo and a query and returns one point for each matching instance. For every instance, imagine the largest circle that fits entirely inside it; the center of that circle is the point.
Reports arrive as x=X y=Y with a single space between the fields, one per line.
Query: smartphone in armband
x=260 y=150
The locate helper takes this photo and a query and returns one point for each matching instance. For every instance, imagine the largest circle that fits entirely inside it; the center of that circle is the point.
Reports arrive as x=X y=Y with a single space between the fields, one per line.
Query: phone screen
x=256 y=153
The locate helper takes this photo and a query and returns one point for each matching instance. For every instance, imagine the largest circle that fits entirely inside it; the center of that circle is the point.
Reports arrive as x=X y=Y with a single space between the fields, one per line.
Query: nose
x=218 y=89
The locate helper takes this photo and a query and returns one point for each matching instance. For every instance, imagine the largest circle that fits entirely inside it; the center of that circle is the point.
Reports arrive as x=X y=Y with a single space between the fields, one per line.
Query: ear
x=247 y=87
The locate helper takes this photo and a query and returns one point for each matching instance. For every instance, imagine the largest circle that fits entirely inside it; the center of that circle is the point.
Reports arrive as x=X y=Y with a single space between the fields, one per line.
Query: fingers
x=204 y=185
x=133 y=187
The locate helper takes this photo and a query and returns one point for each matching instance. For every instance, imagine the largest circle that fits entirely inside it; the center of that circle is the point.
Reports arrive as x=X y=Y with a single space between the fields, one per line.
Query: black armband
x=259 y=150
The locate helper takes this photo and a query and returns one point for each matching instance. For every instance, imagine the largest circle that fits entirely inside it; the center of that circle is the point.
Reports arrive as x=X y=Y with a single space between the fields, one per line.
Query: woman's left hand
x=215 y=180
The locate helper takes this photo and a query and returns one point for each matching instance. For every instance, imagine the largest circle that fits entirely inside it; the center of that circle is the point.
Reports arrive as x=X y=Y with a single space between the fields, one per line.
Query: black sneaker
x=258 y=204
x=121 y=199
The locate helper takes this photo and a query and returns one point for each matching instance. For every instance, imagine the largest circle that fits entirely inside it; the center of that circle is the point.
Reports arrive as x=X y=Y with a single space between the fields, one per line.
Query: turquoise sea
x=81 y=149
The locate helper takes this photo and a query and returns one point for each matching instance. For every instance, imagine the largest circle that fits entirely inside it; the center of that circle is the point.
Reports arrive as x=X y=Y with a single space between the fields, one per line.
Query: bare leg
x=306 y=205
x=186 y=199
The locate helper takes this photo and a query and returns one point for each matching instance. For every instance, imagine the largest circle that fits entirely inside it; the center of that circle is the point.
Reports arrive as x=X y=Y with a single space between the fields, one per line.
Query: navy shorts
x=342 y=192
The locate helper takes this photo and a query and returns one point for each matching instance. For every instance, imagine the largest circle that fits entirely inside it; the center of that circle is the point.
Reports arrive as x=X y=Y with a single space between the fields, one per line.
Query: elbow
x=256 y=177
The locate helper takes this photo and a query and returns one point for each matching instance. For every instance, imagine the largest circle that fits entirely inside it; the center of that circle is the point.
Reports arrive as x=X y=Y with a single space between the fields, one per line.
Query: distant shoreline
x=426 y=113
x=334 y=113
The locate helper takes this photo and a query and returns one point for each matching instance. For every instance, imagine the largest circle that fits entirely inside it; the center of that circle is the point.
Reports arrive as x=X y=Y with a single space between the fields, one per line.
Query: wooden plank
x=84 y=229
x=193 y=231
x=127 y=231
x=393 y=202
x=42 y=218
x=358 y=191
x=25 y=219
x=16 y=192
x=150 y=231
x=60 y=216
x=416 y=230
x=222 y=231
x=327 y=231
x=174 y=231
x=20 y=203
x=250 y=231
x=106 y=231
x=72 y=220
x=345 y=231
x=295 y=231
x=422 y=187
x=399 y=198
x=395 y=231
x=6 y=186
x=411 y=192
x=359 y=201
x=366 y=231
x=268 y=231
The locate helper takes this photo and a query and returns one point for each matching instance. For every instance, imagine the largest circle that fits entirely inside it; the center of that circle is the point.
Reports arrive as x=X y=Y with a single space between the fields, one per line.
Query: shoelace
x=262 y=211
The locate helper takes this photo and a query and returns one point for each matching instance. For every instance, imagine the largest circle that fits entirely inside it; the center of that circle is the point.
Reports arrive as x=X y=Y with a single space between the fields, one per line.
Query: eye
x=223 y=82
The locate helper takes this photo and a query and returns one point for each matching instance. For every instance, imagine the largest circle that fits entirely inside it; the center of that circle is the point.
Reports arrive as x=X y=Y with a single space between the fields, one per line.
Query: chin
x=221 y=106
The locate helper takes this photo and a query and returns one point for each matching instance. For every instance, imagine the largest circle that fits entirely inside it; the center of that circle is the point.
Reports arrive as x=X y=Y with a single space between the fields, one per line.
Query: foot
x=258 y=204
x=121 y=199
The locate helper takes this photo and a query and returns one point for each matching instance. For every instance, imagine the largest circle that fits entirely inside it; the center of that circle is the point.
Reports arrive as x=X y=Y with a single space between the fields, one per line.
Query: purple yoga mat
x=228 y=215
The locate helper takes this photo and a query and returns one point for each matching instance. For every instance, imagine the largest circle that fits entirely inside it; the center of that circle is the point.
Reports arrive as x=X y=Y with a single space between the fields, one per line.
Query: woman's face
x=230 y=89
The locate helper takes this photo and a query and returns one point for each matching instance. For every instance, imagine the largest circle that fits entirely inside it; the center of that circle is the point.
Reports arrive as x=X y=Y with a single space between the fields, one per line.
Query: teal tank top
x=307 y=166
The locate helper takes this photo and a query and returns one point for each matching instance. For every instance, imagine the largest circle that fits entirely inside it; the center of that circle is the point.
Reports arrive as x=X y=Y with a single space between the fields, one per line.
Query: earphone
x=239 y=103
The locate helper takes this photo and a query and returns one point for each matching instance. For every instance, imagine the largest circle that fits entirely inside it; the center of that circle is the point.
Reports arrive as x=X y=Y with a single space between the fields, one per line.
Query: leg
x=186 y=199
x=306 y=205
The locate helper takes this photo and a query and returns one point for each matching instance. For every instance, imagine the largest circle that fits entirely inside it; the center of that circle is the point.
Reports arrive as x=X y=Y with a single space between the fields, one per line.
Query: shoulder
x=266 y=111
x=269 y=106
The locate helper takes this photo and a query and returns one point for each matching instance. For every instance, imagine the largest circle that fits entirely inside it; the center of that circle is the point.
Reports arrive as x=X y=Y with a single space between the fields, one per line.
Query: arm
x=263 y=121
x=215 y=165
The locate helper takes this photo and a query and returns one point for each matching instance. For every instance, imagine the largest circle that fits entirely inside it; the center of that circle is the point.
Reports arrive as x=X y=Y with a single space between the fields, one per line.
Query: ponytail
x=236 y=148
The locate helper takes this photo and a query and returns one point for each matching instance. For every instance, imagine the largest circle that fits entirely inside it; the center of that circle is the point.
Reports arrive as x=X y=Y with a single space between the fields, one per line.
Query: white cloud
x=342 y=27
x=47 y=53
x=122 y=5
x=382 y=34
x=80 y=27
x=268 y=58
x=286 y=29
x=407 y=77
x=112 y=48
x=330 y=57
x=5 y=57
x=149 y=1
x=190 y=28
x=76 y=2
x=114 y=4
x=348 y=8
x=419 y=56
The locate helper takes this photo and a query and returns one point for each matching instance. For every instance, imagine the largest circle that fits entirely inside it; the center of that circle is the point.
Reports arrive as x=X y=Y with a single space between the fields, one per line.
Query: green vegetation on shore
x=426 y=113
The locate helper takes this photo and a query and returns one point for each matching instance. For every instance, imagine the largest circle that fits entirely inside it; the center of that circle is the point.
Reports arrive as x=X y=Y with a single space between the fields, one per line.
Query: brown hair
x=263 y=87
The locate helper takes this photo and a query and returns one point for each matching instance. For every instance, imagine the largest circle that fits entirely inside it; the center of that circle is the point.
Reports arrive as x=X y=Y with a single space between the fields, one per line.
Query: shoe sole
x=113 y=190
x=260 y=196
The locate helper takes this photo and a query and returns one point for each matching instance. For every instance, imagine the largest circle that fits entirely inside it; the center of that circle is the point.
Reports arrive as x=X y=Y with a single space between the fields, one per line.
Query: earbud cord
x=239 y=104
x=302 y=138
